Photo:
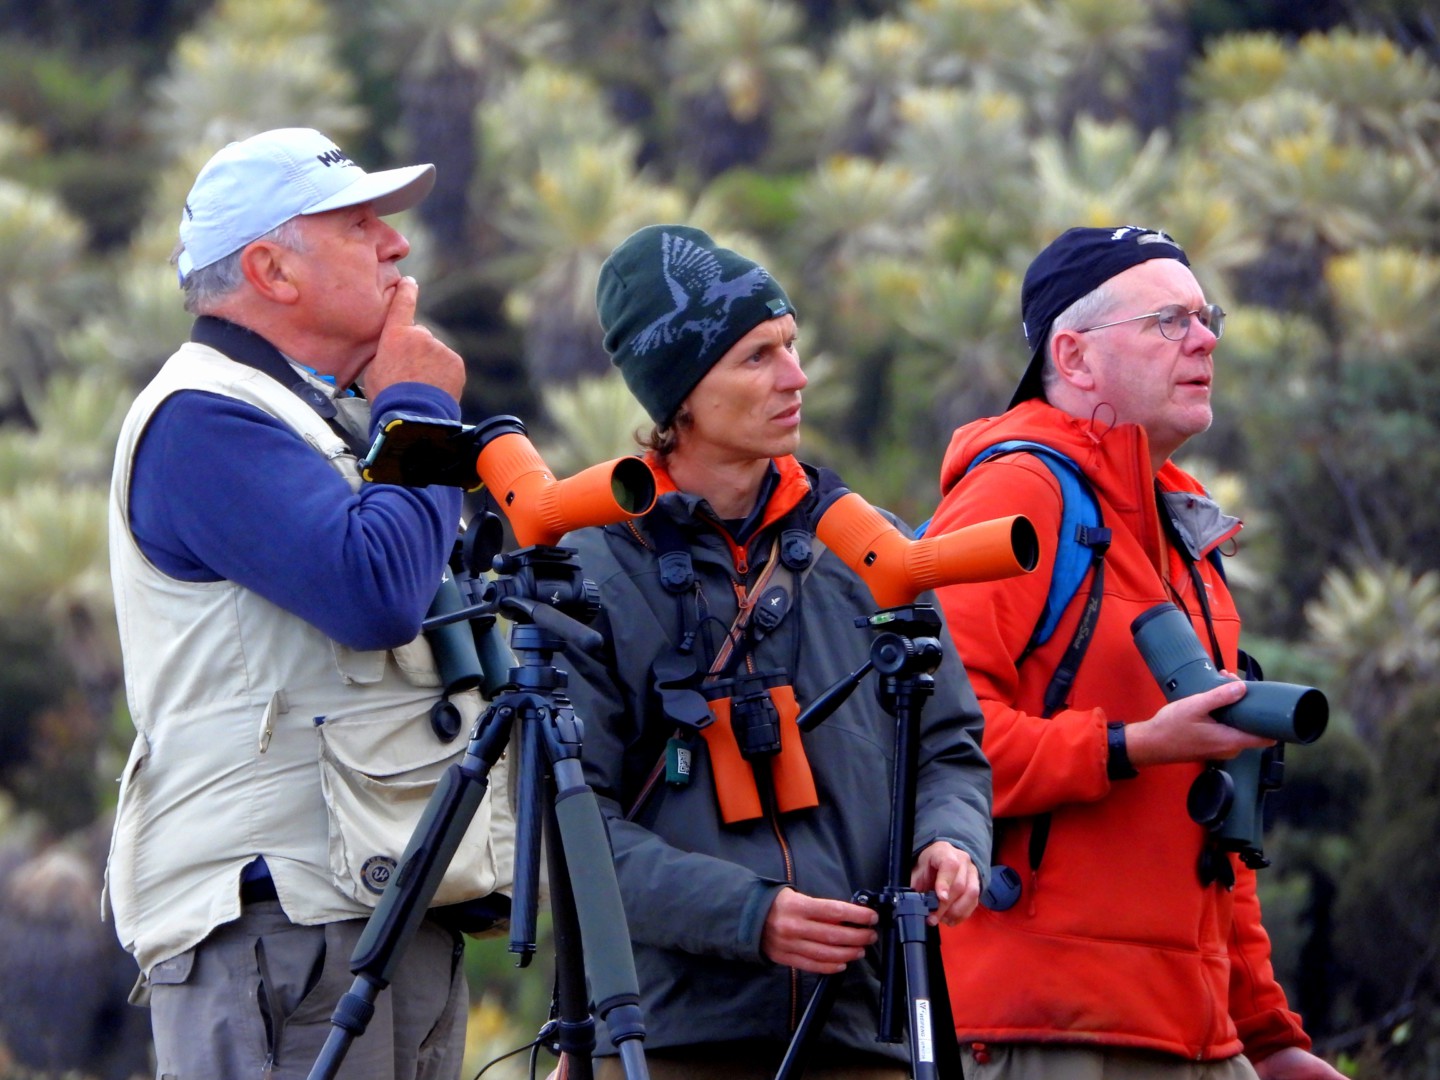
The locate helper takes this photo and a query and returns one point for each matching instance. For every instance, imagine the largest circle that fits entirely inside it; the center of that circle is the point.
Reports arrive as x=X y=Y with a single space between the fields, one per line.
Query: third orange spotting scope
x=419 y=451
x=897 y=569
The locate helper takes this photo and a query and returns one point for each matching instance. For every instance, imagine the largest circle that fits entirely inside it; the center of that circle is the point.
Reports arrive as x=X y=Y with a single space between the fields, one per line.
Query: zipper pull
x=278 y=704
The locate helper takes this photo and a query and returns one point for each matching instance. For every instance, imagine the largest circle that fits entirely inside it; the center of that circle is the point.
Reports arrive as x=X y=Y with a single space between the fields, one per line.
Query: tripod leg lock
x=571 y=1038
x=625 y=1022
x=917 y=906
x=354 y=1011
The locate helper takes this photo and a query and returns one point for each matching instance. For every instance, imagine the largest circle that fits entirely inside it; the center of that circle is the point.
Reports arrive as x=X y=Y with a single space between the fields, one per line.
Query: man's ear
x=1071 y=360
x=266 y=266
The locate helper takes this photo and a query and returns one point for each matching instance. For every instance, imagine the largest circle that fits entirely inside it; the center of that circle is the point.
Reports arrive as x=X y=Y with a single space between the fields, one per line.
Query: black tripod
x=542 y=591
x=904 y=654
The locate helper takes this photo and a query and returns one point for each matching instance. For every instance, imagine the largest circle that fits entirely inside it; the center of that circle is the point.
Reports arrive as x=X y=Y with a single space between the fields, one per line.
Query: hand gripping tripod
x=542 y=591
x=904 y=654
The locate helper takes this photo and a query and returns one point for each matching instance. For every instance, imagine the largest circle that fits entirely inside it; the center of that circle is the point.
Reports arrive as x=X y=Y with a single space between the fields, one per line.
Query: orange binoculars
x=897 y=569
x=754 y=728
x=419 y=451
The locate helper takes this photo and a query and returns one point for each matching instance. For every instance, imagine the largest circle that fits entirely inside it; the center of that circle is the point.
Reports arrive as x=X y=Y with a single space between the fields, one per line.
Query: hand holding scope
x=418 y=451
x=1228 y=798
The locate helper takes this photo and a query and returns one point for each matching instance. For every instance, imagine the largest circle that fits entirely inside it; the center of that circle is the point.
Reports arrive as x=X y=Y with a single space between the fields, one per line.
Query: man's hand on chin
x=410 y=353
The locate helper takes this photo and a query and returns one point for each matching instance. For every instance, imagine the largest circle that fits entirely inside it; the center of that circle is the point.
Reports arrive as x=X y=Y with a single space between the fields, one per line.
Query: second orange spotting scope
x=897 y=569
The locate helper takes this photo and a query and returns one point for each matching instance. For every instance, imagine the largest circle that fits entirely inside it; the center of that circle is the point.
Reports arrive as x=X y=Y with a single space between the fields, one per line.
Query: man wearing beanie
x=736 y=873
x=1134 y=946
x=269 y=608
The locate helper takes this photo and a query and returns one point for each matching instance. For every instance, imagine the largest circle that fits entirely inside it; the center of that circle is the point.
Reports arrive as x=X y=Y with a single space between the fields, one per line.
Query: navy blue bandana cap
x=1075 y=264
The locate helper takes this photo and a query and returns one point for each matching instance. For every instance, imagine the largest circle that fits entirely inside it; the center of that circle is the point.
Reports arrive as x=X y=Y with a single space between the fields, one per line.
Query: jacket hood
x=1114 y=455
x=1115 y=459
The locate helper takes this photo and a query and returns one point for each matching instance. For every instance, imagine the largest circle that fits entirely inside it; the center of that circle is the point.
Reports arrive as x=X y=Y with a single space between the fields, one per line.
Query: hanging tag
x=678 y=759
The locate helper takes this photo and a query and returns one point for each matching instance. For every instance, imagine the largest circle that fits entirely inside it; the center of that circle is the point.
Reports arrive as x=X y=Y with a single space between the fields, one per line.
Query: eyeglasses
x=1174 y=320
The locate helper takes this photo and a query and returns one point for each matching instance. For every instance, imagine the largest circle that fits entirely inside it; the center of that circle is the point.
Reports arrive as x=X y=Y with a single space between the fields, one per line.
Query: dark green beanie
x=671 y=304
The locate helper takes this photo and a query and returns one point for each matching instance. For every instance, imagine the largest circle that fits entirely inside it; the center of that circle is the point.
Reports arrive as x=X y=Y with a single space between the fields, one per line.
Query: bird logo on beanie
x=702 y=298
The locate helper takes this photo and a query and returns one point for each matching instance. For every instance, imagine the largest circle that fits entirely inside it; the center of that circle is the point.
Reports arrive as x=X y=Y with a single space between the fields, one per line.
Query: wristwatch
x=1118 y=766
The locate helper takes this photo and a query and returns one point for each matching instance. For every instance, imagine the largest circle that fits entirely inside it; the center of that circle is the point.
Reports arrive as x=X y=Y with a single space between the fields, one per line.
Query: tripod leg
x=947 y=1048
x=932 y=1033
x=576 y=1032
x=604 y=933
x=812 y=1021
x=407 y=897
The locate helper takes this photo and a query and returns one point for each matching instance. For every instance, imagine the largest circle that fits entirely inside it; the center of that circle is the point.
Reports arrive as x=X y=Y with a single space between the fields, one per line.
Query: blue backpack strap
x=1083 y=538
x=1081 y=545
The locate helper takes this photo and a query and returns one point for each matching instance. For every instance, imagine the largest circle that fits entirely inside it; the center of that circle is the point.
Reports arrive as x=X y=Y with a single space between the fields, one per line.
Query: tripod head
x=537 y=585
x=906 y=650
x=908 y=644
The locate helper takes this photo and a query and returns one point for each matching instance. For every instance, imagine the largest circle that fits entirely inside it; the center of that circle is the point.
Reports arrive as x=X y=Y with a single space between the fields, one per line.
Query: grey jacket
x=697 y=891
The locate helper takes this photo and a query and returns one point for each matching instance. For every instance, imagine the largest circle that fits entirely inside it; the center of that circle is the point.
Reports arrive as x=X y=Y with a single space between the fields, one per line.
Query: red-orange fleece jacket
x=1114 y=940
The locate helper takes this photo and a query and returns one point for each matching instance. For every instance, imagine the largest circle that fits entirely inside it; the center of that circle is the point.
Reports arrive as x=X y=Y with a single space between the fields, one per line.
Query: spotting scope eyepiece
x=897 y=569
x=418 y=451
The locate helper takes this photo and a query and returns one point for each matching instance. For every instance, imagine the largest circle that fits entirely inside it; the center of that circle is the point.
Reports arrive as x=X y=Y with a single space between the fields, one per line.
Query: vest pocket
x=377 y=775
x=415 y=661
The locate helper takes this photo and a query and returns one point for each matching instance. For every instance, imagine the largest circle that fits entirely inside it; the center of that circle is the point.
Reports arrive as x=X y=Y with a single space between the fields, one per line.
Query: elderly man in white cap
x=270 y=607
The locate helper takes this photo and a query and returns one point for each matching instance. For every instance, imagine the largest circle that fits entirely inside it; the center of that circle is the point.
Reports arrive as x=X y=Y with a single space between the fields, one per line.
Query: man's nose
x=393 y=245
x=1200 y=337
x=792 y=376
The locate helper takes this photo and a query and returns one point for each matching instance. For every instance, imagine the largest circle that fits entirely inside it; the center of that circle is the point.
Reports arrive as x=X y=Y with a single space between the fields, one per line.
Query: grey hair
x=208 y=286
x=1087 y=311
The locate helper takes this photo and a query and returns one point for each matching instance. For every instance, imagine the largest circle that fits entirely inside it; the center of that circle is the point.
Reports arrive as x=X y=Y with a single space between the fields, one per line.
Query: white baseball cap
x=256 y=185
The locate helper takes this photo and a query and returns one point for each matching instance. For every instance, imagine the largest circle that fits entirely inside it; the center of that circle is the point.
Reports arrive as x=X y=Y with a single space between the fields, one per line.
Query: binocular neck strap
x=246 y=347
x=1172 y=533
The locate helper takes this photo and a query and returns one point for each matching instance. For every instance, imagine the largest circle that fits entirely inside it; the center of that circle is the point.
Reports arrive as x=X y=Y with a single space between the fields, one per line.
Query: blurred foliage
x=896 y=163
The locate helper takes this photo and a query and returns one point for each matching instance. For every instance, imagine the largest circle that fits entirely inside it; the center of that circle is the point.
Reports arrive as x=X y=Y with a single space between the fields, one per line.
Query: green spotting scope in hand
x=1227 y=798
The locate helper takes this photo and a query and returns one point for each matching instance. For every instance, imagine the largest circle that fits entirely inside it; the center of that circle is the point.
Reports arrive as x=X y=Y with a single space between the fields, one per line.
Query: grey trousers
x=254 y=999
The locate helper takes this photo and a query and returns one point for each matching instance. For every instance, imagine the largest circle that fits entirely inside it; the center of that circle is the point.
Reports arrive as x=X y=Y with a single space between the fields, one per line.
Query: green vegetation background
x=896 y=164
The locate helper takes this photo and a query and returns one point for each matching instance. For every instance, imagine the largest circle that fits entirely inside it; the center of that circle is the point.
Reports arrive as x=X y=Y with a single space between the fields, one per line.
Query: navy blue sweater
x=223 y=491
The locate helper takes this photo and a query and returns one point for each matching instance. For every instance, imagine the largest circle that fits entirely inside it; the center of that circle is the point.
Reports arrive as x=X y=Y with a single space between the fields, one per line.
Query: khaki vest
x=258 y=735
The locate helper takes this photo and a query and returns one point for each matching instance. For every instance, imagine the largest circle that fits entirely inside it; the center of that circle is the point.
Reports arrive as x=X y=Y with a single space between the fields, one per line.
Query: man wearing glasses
x=1121 y=942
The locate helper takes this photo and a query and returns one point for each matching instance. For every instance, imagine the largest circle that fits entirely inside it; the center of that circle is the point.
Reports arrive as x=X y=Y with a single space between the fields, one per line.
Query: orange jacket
x=1114 y=941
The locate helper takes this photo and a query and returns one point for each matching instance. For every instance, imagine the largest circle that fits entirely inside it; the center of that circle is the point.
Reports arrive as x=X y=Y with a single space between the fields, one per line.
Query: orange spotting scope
x=540 y=508
x=417 y=451
x=898 y=569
